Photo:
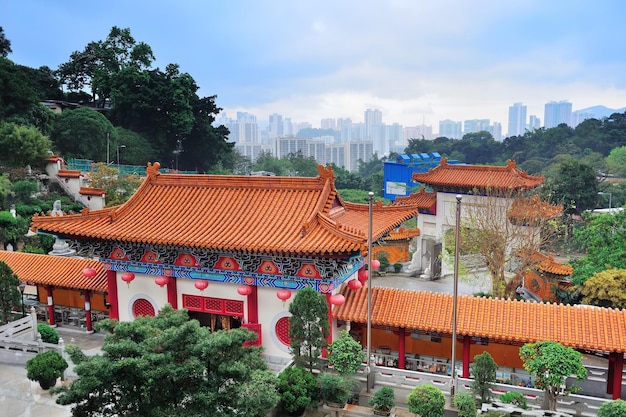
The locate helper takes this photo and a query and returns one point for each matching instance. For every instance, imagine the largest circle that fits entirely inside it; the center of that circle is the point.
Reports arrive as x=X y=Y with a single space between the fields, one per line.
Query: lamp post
x=455 y=292
x=610 y=196
x=370 y=198
x=108 y=147
x=22 y=287
x=118 y=154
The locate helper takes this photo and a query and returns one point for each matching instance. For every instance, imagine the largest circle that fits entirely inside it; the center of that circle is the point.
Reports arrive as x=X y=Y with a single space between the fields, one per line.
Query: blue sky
x=415 y=60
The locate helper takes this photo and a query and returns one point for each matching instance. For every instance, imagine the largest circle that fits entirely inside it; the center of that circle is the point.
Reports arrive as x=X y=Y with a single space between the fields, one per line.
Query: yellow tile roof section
x=58 y=271
x=580 y=327
x=234 y=213
x=477 y=176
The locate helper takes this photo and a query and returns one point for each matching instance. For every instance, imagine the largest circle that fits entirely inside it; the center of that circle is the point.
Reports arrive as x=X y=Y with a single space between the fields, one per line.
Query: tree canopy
x=605 y=289
x=82 y=133
x=22 y=145
x=169 y=365
x=9 y=293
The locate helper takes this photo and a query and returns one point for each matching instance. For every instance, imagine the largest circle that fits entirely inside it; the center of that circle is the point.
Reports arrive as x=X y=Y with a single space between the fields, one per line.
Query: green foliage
x=484 y=370
x=426 y=400
x=46 y=366
x=308 y=328
x=397 y=267
x=336 y=388
x=575 y=186
x=82 y=133
x=118 y=188
x=297 y=389
x=48 y=333
x=515 y=398
x=383 y=258
x=615 y=408
x=12 y=228
x=616 y=161
x=24 y=190
x=383 y=400
x=605 y=289
x=22 y=145
x=169 y=365
x=355 y=196
x=345 y=354
x=465 y=404
x=5 y=44
x=10 y=295
x=552 y=363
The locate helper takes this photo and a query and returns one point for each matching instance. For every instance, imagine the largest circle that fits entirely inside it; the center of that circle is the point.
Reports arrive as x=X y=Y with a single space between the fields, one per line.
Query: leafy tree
x=551 y=363
x=616 y=161
x=22 y=145
x=118 y=188
x=602 y=239
x=297 y=389
x=169 y=365
x=466 y=405
x=615 y=408
x=266 y=162
x=484 y=370
x=82 y=133
x=356 y=196
x=5 y=44
x=605 y=289
x=426 y=400
x=345 y=354
x=308 y=328
x=138 y=151
x=12 y=229
x=9 y=293
x=575 y=186
x=346 y=179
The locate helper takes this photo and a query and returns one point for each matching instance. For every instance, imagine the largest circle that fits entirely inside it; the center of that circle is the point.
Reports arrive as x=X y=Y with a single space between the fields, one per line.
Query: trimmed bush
x=616 y=408
x=515 y=398
x=427 y=401
x=297 y=389
x=46 y=367
x=466 y=404
x=48 y=333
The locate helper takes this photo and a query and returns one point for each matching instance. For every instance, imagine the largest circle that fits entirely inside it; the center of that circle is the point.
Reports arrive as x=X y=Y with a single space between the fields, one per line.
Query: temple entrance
x=215 y=313
x=216 y=321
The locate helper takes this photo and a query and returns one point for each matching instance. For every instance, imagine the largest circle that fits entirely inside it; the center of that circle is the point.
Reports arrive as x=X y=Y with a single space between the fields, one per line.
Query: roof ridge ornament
x=326 y=172
x=152 y=170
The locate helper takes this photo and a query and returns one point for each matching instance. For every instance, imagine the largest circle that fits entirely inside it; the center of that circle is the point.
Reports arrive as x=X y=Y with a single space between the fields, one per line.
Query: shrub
x=345 y=354
x=466 y=404
x=335 y=388
x=48 y=333
x=297 y=389
x=383 y=400
x=515 y=398
x=46 y=366
x=426 y=400
x=616 y=408
x=484 y=371
x=397 y=267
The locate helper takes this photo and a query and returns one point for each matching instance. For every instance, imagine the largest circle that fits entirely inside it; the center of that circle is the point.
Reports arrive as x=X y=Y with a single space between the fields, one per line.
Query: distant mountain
x=599 y=112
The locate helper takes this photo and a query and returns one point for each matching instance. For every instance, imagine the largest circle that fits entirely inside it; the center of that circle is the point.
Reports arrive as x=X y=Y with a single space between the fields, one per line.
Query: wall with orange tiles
x=71 y=298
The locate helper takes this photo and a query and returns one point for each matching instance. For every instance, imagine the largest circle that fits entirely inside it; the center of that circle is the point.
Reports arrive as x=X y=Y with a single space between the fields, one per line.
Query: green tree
x=466 y=405
x=5 y=44
x=267 y=162
x=345 y=354
x=82 y=133
x=297 y=389
x=22 y=145
x=308 y=328
x=575 y=186
x=552 y=363
x=616 y=161
x=138 y=150
x=301 y=166
x=169 y=365
x=9 y=293
x=484 y=370
x=615 y=408
x=605 y=289
x=426 y=400
x=12 y=229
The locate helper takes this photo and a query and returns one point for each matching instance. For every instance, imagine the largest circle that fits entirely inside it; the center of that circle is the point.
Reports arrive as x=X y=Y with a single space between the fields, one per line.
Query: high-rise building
x=517 y=120
x=475 y=125
x=496 y=131
x=373 y=119
x=276 y=128
x=556 y=113
x=329 y=124
x=533 y=122
x=417 y=132
x=358 y=150
x=450 y=129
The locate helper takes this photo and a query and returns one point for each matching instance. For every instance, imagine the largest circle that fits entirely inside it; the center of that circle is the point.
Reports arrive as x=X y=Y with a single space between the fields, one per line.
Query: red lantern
x=337 y=299
x=127 y=277
x=161 y=281
x=89 y=272
x=201 y=284
x=355 y=284
x=362 y=276
x=246 y=290
x=283 y=294
x=375 y=264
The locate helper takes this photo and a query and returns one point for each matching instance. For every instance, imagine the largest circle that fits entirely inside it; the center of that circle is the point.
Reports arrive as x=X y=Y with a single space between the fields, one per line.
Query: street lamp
x=370 y=198
x=610 y=196
x=22 y=287
x=455 y=292
x=118 y=154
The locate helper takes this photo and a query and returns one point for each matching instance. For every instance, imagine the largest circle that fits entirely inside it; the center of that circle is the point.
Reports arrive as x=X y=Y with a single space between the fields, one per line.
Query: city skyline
x=418 y=63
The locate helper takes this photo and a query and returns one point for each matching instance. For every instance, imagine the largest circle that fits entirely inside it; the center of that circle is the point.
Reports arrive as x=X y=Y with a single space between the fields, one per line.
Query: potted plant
x=335 y=389
x=297 y=389
x=383 y=401
x=397 y=267
x=46 y=368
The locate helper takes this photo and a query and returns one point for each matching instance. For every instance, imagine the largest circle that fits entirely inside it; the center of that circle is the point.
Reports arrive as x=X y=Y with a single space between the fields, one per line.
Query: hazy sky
x=412 y=59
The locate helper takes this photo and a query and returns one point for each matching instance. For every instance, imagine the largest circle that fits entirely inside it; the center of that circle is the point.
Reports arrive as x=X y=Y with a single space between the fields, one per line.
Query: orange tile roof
x=534 y=208
x=423 y=199
x=402 y=234
x=58 y=271
x=477 y=176
x=69 y=173
x=234 y=213
x=580 y=327
x=548 y=264
x=91 y=191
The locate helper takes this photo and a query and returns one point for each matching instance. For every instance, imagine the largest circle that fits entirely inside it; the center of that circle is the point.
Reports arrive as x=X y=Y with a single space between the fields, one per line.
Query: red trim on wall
x=114 y=313
x=172 y=293
x=213 y=305
x=253 y=305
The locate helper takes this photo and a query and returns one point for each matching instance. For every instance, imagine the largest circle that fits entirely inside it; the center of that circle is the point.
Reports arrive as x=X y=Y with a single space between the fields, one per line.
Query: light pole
x=22 y=287
x=108 y=147
x=118 y=154
x=455 y=292
x=370 y=198
x=610 y=196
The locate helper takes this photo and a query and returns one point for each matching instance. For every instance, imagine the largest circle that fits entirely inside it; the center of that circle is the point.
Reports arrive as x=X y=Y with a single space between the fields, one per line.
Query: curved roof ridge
x=326 y=177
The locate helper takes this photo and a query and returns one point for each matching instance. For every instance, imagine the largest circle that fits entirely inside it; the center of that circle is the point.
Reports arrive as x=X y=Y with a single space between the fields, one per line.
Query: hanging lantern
x=127 y=277
x=90 y=272
x=362 y=276
x=337 y=299
x=355 y=284
x=283 y=294
x=247 y=290
x=375 y=264
x=161 y=281
x=201 y=284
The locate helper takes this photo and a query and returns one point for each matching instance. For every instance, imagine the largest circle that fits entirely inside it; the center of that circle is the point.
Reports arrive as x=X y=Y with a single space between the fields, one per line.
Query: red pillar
x=88 y=312
x=466 y=356
x=611 y=372
x=114 y=313
x=617 y=375
x=253 y=305
x=50 y=306
x=401 y=348
x=172 y=293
